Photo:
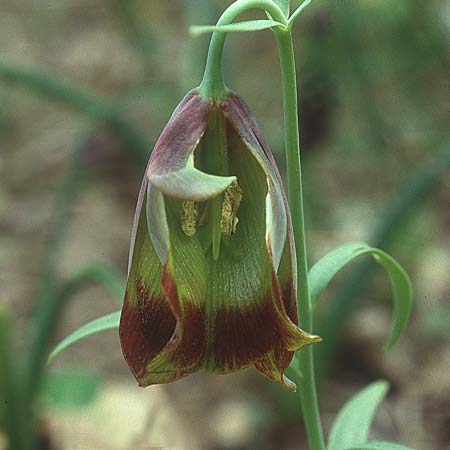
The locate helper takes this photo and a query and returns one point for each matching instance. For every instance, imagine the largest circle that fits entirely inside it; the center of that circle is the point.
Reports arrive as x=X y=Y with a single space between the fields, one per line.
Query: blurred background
x=86 y=86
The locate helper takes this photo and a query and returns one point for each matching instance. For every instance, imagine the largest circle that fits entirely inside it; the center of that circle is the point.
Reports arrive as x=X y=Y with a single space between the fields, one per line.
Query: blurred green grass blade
x=135 y=30
x=104 y=323
x=352 y=424
x=70 y=93
x=11 y=400
x=70 y=389
x=380 y=446
x=101 y=274
x=238 y=27
x=324 y=270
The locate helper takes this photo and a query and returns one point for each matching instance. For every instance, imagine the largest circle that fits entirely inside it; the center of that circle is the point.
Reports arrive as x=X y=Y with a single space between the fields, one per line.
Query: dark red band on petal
x=242 y=335
x=192 y=345
x=145 y=328
x=192 y=337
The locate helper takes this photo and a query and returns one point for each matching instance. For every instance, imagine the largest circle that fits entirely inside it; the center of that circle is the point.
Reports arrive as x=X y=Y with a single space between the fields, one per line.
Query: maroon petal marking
x=145 y=329
x=188 y=345
x=242 y=335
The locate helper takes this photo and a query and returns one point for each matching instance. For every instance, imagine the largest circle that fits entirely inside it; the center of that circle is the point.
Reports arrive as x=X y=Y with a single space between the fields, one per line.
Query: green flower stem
x=307 y=391
x=213 y=86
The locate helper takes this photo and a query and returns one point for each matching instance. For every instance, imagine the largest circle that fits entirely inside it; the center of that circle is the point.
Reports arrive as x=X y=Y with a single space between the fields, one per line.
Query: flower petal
x=147 y=322
x=190 y=183
x=248 y=320
x=184 y=285
x=163 y=327
x=277 y=217
x=157 y=222
x=171 y=167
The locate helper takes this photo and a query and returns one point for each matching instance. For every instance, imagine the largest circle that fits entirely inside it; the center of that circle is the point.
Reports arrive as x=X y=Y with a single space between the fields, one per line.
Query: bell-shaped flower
x=212 y=270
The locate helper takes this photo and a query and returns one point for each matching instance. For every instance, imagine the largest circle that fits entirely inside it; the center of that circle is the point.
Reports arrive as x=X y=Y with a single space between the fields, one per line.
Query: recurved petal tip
x=302 y=339
x=289 y=384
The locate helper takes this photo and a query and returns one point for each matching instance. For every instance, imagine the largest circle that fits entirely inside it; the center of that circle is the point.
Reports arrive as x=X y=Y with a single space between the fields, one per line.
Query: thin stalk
x=307 y=392
x=212 y=86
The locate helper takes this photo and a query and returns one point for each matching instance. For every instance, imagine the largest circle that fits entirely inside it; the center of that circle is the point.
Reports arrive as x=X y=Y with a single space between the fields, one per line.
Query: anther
x=189 y=217
x=230 y=206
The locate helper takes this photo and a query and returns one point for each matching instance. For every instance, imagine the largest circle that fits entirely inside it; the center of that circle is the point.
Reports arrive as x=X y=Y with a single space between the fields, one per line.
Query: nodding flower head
x=211 y=276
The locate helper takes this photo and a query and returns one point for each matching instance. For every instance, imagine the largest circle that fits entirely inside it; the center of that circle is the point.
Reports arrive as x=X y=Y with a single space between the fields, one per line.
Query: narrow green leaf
x=380 y=446
x=352 y=424
x=284 y=5
x=299 y=11
x=108 y=322
x=250 y=25
x=324 y=270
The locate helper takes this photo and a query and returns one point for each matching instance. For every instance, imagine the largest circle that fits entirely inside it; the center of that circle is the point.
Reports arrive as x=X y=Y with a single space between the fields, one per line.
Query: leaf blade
x=284 y=5
x=324 y=270
x=238 y=27
x=104 y=323
x=352 y=424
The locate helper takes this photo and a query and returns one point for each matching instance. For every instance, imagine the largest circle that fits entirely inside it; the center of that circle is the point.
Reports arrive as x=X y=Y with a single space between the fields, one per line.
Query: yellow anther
x=189 y=217
x=230 y=206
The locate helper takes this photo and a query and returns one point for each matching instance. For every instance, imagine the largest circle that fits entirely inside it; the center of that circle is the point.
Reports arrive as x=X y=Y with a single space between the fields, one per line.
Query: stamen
x=230 y=206
x=189 y=217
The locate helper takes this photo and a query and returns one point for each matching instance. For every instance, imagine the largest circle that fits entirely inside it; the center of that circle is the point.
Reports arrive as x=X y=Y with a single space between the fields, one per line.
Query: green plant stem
x=307 y=391
x=212 y=86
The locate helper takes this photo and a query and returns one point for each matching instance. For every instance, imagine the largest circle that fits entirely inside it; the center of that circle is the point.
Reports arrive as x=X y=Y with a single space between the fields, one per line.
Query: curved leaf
x=299 y=11
x=380 y=446
x=104 y=323
x=284 y=5
x=352 y=424
x=238 y=27
x=324 y=270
